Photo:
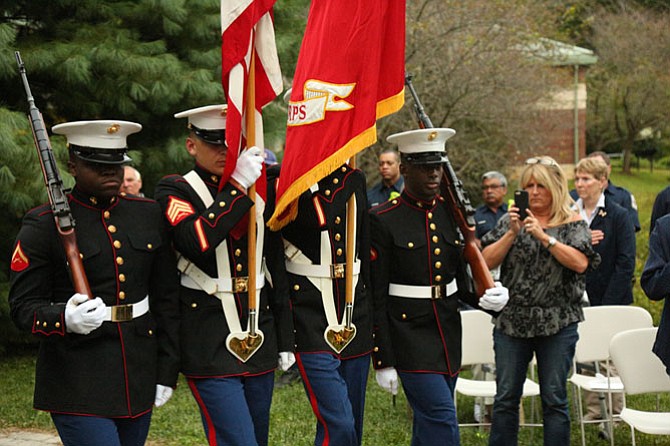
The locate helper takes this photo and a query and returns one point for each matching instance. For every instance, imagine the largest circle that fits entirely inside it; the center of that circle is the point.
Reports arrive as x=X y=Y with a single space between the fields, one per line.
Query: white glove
x=494 y=299
x=387 y=379
x=83 y=315
x=249 y=166
x=286 y=360
x=163 y=394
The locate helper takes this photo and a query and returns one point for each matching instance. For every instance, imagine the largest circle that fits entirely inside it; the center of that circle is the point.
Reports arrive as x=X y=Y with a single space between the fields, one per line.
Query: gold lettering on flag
x=320 y=97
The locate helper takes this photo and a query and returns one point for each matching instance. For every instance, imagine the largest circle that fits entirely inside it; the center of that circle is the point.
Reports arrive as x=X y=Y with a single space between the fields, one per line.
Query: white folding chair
x=595 y=333
x=477 y=348
x=640 y=371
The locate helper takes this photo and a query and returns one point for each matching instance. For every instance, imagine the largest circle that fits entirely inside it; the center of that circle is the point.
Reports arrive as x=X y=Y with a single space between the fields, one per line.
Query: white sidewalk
x=28 y=438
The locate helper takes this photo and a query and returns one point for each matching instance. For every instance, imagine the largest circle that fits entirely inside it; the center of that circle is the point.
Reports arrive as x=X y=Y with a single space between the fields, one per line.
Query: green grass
x=292 y=422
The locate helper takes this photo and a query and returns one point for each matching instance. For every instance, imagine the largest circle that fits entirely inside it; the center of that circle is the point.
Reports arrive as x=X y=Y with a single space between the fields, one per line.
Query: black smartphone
x=521 y=201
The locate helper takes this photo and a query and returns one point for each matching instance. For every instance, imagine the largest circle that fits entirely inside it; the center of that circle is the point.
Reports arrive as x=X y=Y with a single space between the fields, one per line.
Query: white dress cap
x=102 y=134
x=421 y=140
x=209 y=117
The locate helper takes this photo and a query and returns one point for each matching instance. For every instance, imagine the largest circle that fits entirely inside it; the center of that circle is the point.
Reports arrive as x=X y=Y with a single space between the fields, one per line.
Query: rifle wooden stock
x=473 y=255
x=77 y=273
x=459 y=205
x=54 y=184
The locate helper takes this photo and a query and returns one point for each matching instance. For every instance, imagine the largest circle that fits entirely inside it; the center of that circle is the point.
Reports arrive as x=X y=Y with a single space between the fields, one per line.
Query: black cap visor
x=101 y=156
x=424 y=158
x=216 y=137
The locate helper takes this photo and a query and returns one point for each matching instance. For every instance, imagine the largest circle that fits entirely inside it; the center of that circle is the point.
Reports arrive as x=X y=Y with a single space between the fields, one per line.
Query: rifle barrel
x=459 y=205
x=52 y=180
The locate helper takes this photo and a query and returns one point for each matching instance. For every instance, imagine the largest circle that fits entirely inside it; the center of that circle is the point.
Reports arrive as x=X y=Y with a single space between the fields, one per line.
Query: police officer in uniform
x=418 y=276
x=104 y=360
x=334 y=375
x=228 y=355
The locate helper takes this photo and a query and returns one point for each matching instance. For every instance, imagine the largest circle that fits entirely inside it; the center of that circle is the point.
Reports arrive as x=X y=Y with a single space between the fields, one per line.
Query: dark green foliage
x=140 y=60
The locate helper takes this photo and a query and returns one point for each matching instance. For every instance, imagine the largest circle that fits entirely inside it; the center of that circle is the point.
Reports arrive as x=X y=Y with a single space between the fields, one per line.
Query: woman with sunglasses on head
x=543 y=261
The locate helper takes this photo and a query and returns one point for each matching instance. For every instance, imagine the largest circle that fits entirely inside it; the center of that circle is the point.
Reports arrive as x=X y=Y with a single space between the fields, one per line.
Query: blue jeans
x=554 y=358
x=336 y=391
x=235 y=410
x=431 y=396
x=79 y=430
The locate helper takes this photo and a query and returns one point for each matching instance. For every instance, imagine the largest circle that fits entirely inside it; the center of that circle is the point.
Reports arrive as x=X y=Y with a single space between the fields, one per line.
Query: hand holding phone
x=521 y=202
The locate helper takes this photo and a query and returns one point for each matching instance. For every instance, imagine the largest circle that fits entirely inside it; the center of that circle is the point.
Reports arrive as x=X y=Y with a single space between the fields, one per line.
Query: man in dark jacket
x=655 y=282
x=418 y=276
x=334 y=373
x=105 y=359
x=229 y=351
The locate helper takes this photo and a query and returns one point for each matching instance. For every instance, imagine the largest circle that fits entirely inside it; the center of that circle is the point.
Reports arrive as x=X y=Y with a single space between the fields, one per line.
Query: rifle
x=57 y=199
x=459 y=205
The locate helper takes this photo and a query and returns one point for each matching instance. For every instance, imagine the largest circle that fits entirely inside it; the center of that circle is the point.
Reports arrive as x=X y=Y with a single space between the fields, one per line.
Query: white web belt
x=224 y=286
x=322 y=275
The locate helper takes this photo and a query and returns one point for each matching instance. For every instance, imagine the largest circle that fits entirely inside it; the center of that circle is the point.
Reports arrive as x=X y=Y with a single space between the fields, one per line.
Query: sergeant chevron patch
x=177 y=210
x=19 y=259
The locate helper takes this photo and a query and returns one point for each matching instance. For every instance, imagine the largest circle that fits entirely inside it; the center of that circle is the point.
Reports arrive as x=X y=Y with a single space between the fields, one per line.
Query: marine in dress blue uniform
x=101 y=364
x=209 y=230
x=315 y=251
x=418 y=276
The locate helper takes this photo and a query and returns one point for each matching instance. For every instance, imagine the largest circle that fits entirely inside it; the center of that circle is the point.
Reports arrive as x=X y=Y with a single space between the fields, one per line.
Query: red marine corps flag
x=247 y=29
x=350 y=73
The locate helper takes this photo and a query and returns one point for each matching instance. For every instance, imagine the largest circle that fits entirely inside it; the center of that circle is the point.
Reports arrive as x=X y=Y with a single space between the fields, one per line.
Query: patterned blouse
x=545 y=296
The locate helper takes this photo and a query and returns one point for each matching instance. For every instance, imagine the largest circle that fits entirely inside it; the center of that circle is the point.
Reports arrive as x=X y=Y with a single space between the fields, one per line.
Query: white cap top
x=421 y=140
x=209 y=117
x=103 y=134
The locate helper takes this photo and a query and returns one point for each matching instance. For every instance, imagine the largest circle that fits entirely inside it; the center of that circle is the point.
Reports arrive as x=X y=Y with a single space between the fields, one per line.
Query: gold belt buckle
x=240 y=284
x=436 y=292
x=122 y=313
x=337 y=271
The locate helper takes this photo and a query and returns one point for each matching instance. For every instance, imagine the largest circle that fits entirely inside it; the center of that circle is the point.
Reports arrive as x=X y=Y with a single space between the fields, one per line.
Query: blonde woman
x=543 y=261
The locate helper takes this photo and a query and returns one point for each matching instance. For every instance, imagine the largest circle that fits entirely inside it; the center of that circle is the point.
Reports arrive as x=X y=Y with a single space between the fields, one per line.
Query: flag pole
x=351 y=248
x=251 y=233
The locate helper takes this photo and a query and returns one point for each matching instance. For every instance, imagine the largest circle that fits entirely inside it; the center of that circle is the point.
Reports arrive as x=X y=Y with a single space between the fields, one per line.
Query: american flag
x=247 y=28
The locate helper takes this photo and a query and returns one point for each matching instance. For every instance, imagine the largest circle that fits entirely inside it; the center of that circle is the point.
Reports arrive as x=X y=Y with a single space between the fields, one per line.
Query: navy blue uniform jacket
x=611 y=283
x=655 y=282
x=417 y=243
x=196 y=232
x=620 y=196
x=325 y=210
x=113 y=371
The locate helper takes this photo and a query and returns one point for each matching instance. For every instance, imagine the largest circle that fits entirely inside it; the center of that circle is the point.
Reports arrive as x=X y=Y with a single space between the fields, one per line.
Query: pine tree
x=136 y=60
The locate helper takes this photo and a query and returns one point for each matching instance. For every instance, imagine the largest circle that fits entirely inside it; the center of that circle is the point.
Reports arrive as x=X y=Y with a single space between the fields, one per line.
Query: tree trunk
x=626 y=160
x=627 y=149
